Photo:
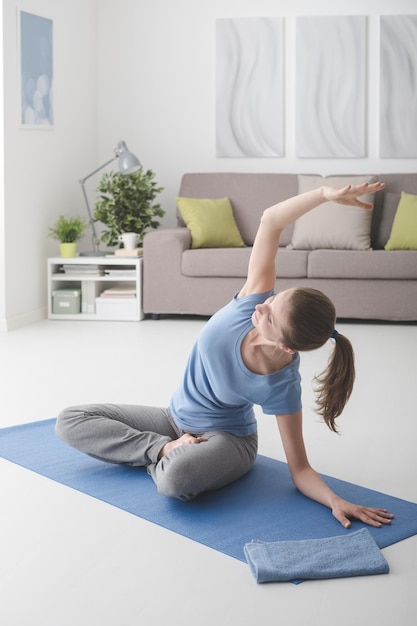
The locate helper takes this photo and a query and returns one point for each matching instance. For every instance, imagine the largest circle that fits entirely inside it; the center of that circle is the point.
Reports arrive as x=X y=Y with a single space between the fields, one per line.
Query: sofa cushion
x=211 y=222
x=332 y=225
x=404 y=228
x=366 y=264
x=226 y=262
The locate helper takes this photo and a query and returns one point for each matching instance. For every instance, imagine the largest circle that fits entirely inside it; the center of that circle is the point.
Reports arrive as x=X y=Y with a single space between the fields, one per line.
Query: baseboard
x=16 y=321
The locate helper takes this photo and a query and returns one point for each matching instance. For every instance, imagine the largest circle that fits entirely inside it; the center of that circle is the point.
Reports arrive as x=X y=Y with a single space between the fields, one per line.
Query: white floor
x=69 y=560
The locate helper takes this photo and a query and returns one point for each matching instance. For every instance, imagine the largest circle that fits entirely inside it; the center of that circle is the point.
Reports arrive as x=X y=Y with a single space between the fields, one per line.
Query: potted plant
x=126 y=205
x=68 y=230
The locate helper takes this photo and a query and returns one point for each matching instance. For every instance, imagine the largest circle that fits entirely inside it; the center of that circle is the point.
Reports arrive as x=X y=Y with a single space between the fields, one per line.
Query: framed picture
x=331 y=86
x=398 y=86
x=36 y=71
x=250 y=87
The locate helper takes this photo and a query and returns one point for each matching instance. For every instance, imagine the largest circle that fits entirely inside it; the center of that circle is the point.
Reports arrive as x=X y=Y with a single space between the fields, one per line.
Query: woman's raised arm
x=261 y=270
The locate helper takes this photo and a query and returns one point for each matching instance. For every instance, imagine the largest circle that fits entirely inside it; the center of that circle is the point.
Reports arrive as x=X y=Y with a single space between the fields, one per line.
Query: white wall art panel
x=330 y=86
x=398 y=86
x=249 y=87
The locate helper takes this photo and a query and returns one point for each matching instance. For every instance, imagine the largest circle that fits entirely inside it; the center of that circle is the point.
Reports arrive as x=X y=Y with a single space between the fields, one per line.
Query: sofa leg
x=155 y=316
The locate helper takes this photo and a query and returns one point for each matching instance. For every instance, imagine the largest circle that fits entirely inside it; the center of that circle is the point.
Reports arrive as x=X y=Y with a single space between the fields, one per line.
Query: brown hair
x=310 y=323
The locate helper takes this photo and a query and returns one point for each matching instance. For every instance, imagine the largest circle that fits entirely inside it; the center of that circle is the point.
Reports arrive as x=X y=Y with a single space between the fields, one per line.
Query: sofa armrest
x=162 y=254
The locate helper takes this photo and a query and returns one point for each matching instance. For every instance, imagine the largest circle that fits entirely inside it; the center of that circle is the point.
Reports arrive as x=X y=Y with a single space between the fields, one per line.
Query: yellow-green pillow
x=404 y=228
x=211 y=222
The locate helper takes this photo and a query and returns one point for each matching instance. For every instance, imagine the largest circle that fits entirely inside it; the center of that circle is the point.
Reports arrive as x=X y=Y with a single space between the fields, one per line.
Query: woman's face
x=270 y=317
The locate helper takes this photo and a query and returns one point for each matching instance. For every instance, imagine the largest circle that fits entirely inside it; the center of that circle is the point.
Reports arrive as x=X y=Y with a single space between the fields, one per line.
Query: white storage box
x=117 y=308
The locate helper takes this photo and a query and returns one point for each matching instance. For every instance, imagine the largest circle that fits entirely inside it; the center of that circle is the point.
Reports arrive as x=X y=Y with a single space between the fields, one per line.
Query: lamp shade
x=128 y=162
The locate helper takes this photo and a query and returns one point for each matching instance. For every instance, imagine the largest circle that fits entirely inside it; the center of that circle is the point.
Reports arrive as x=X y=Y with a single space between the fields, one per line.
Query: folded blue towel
x=354 y=554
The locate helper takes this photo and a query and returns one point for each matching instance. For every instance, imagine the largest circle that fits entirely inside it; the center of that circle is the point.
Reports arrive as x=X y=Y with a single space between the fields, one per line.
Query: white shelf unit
x=111 y=272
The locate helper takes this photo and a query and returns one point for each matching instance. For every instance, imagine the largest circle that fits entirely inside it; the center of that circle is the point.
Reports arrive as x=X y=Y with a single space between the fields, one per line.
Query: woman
x=248 y=353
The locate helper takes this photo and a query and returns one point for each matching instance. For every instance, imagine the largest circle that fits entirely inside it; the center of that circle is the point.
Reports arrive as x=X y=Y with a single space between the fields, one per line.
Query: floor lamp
x=128 y=164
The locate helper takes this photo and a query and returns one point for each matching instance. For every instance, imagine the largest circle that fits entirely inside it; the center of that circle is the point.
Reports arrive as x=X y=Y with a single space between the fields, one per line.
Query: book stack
x=118 y=302
x=120 y=272
x=124 y=252
x=86 y=270
x=121 y=291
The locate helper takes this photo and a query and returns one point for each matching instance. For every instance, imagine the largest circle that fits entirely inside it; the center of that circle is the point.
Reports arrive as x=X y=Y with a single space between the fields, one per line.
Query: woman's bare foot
x=181 y=441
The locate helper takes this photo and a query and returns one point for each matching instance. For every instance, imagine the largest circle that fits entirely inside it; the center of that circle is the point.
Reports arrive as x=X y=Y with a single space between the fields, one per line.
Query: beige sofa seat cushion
x=366 y=264
x=227 y=262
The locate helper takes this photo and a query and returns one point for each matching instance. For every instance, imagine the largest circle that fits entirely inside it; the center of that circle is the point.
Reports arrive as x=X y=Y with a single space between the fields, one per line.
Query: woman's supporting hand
x=344 y=511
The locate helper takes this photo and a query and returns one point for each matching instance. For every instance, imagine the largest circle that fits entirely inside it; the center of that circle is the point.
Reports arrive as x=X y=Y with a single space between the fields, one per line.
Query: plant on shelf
x=68 y=231
x=126 y=205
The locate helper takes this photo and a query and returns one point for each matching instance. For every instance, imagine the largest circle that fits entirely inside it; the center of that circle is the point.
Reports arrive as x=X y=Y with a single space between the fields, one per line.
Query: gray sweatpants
x=134 y=435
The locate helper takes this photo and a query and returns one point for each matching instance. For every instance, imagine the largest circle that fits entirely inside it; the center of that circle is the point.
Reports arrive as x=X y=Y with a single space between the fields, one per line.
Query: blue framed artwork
x=36 y=71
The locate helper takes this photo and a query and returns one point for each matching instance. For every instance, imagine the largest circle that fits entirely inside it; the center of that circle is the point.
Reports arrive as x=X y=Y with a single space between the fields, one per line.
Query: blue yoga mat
x=263 y=505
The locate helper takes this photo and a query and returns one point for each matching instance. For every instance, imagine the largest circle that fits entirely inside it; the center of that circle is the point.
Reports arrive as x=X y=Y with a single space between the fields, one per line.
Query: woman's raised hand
x=350 y=195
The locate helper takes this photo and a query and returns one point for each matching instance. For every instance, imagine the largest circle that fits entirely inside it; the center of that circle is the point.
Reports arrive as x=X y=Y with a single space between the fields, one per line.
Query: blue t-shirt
x=218 y=391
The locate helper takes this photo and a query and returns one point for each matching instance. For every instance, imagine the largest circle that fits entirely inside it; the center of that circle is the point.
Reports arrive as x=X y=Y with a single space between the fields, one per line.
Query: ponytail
x=335 y=384
x=310 y=324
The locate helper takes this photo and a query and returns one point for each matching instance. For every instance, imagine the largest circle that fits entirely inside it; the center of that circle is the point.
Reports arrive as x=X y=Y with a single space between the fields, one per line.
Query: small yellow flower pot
x=68 y=250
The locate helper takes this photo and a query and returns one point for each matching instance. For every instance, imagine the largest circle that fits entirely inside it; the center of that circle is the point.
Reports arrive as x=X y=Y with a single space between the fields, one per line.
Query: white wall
x=142 y=71
x=42 y=167
x=157 y=89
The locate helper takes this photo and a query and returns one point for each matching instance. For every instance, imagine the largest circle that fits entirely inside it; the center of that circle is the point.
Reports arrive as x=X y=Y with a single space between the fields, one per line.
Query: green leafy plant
x=126 y=205
x=68 y=229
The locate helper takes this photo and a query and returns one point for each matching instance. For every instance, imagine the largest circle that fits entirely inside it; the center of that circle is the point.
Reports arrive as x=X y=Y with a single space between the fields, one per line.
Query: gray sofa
x=364 y=284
